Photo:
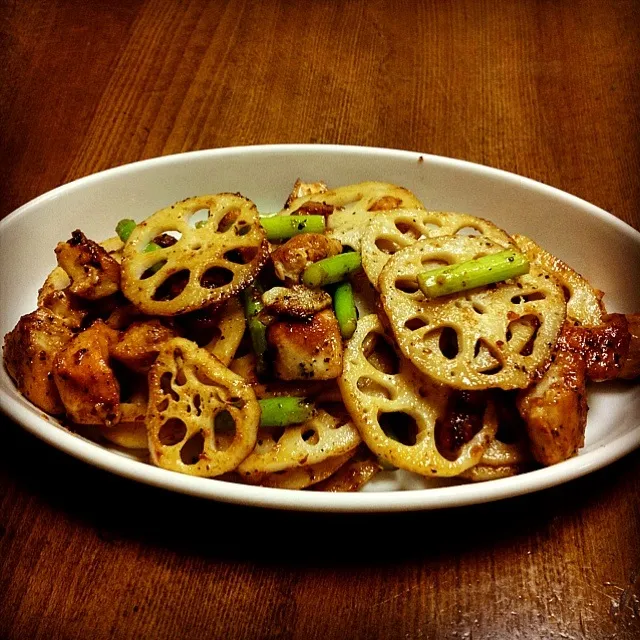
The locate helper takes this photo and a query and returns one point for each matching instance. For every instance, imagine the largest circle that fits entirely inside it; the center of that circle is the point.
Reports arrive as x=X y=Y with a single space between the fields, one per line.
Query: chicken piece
x=555 y=408
x=29 y=352
x=55 y=295
x=297 y=301
x=296 y=254
x=305 y=189
x=86 y=383
x=137 y=347
x=307 y=350
x=630 y=364
x=93 y=272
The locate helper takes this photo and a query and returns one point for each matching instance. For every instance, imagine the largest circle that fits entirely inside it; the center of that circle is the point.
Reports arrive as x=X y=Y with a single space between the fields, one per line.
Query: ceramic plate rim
x=40 y=425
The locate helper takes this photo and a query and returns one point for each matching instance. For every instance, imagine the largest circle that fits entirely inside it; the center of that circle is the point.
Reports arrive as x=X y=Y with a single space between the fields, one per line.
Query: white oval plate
x=597 y=244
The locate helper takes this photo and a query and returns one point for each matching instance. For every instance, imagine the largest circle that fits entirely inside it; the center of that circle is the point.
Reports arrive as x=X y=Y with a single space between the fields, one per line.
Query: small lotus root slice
x=193 y=400
x=584 y=305
x=380 y=398
x=322 y=436
x=302 y=477
x=209 y=263
x=349 y=209
x=501 y=335
x=387 y=233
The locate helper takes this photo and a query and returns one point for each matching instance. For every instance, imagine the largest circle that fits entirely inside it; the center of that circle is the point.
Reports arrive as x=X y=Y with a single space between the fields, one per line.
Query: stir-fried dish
x=351 y=332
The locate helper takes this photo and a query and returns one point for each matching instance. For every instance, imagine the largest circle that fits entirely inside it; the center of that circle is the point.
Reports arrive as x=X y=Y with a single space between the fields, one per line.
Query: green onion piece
x=495 y=267
x=280 y=228
x=252 y=300
x=124 y=228
x=284 y=411
x=344 y=306
x=331 y=270
x=152 y=246
x=200 y=224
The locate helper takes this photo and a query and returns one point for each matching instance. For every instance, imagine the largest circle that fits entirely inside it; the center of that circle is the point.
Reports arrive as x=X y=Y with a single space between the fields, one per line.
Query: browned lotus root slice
x=352 y=475
x=476 y=339
x=301 y=477
x=349 y=208
x=322 y=436
x=189 y=389
x=387 y=233
x=380 y=399
x=584 y=303
x=207 y=264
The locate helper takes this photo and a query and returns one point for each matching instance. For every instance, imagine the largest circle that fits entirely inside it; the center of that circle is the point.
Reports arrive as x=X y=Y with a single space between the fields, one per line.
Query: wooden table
x=547 y=90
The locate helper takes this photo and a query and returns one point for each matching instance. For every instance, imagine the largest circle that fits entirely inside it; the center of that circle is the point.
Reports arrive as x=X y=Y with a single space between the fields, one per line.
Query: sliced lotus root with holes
x=349 y=209
x=501 y=336
x=322 y=436
x=387 y=233
x=202 y=418
x=131 y=431
x=301 y=477
x=584 y=303
x=352 y=475
x=208 y=264
x=397 y=410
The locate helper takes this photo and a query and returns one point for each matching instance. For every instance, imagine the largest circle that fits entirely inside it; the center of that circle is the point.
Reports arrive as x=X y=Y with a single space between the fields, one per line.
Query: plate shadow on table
x=120 y=510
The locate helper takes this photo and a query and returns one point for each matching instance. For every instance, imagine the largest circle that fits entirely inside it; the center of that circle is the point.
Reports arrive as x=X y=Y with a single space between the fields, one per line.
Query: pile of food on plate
x=351 y=332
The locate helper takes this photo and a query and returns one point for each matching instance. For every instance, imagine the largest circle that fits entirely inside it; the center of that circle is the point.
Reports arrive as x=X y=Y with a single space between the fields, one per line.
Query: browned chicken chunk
x=297 y=301
x=630 y=364
x=296 y=254
x=55 y=295
x=306 y=350
x=137 y=347
x=86 y=383
x=93 y=272
x=555 y=408
x=29 y=352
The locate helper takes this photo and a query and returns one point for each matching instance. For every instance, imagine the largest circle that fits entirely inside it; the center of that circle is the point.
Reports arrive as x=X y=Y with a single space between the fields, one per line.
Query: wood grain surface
x=546 y=89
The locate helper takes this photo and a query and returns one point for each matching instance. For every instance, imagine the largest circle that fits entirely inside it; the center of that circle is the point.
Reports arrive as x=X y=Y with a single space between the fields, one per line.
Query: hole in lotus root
x=528 y=297
x=173 y=286
x=225 y=430
x=370 y=387
x=462 y=420
x=310 y=436
x=448 y=342
x=216 y=277
x=407 y=284
x=199 y=217
x=277 y=433
x=528 y=323
x=399 y=426
x=167 y=388
x=172 y=432
x=162 y=406
x=408 y=229
x=192 y=449
x=197 y=404
x=477 y=308
x=168 y=238
x=468 y=231
x=243 y=255
x=387 y=246
x=154 y=268
x=413 y=324
x=429 y=263
x=380 y=354
x=567 y=293
x=485 y=350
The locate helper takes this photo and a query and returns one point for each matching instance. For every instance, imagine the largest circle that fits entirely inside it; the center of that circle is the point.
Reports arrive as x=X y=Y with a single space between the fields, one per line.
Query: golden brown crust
x=93 y=272
x=29 y=352
x=137 y=347
x=87 y=385
x=296 y=254
x=296 y=301
x=306 y=349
